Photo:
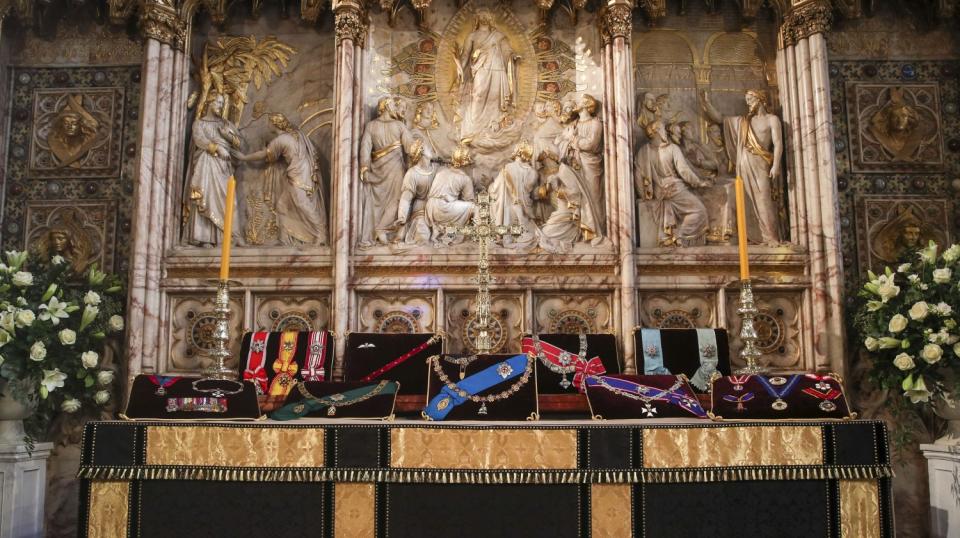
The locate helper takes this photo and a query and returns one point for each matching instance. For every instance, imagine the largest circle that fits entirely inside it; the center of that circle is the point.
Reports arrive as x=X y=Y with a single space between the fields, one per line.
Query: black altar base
x=334 y=478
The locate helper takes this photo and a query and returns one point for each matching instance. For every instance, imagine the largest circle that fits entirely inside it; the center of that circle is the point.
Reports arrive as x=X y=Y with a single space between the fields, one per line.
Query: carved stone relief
x=411 y=312
x=291 y=313
x=76 y=133
x=677 y=310
x=894 y=126
x=192 y=322
x=507 y=315
x=890 y=226
x=778 y=328
x=83 y=233
x=572 y=313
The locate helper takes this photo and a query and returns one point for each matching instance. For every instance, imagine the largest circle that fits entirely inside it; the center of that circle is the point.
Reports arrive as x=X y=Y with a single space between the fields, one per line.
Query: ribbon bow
x=587 y=368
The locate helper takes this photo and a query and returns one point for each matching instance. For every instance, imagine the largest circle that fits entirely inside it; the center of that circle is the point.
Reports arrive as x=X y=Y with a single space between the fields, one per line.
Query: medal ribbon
x=739 y=400
x=553 y=353
x=652 y=352
x=400 y=360
x=256 y=358
x=784 y=392
x=675 y=398
x=709 y=357
x=448 y=398
x=163 y=381
x=317 y=356
x=285 y=367
x=831 y=394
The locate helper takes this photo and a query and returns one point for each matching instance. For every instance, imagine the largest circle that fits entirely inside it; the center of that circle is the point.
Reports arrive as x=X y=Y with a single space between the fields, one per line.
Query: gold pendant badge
x=442 y=404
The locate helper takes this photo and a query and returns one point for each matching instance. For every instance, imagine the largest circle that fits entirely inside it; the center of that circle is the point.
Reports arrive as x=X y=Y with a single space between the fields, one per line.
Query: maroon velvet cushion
x=608 y=404
x=598 y=345
x=520 y=405
x=813 y=396
x=145 y=403
x=366 y=352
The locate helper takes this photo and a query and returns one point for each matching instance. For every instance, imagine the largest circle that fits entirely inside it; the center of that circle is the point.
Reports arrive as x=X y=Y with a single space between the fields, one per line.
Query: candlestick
x=221 y=335
x=742 y=229
x=749 y=353
x=227 y=229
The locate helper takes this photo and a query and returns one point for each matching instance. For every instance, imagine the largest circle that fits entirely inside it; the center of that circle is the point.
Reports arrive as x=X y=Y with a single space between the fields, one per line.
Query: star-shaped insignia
x=504 y=370
x=709 y=351
x=258 y=346
x=649 y=411
x=822 y=386
x=651 y=350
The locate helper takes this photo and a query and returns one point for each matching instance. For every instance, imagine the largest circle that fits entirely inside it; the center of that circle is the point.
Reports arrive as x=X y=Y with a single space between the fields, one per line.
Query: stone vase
x=12 y=414
x=948 y=408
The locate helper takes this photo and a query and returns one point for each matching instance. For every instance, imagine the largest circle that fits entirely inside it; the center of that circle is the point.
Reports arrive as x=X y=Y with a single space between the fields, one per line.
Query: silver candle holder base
x=749 y=353
x=221 y=336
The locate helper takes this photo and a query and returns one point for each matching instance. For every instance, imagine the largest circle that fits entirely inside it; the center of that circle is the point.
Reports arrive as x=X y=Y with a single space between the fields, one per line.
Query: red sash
x=553 y=354
x=401 y=359
x=256 y=358
x=316 y=357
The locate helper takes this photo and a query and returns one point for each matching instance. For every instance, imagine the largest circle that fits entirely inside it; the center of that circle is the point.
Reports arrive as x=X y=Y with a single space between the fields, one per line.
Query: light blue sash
x=652 y=352
x=709 y=357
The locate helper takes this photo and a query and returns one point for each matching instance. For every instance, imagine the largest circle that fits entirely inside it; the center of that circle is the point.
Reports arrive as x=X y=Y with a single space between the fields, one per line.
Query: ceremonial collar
x=331 y=402
x=453 y=394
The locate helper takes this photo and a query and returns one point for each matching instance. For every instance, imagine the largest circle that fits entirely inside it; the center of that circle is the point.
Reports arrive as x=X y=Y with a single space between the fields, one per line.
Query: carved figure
x=411 y=213
x=682 y=216
x=754 y=142
x=491 y=65
x=582 y=148
x=300 y=207
x=73 y=134
x=450 y=200
x=512 y=196
x=62 y=241
x=572 y=219
x=384 y=141
x=900 y=128
x=211 y=165
x=904 y=233
x=651 y=108
x=425 y=121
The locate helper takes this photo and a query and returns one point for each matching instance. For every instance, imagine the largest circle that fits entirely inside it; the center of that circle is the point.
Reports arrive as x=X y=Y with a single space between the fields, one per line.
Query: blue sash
x=679 y=399
x=652 y=352
x=448 y=398
x=709 y=357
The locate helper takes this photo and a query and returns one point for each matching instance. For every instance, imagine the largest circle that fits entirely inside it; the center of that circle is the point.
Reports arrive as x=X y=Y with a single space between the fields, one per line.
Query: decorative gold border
x=610 y=508
x=860 y=509
x=108 y=510
x=354 y=509
x=775 y=445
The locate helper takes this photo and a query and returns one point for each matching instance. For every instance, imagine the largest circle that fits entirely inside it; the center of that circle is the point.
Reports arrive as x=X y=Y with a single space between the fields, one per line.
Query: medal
x=738 y=381
x=825 y=395
x=779 y=404
x=162 y=382
x=739 y=400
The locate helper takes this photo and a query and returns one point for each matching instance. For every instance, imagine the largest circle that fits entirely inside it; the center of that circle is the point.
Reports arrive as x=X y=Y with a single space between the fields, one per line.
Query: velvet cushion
x=269 y=403
x=366 y=352
x=598 y=345
x=681 y=352
x=146 y=403
x=379 y=406
x=520 y=405
x=607 y=404
x=753 y=401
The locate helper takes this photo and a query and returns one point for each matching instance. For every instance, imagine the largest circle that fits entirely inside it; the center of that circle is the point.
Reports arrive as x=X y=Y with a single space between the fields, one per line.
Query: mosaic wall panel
x=70 y=163
x=881 y=200
x=778 y=328
x=572 y=313
x=460 y=321
x=291 y=313
x=408 y=312
x=192 y=323
x=678 y=310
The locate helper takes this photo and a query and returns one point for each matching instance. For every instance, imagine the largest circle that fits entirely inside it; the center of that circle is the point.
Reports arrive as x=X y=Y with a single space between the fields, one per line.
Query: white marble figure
x=572 y=219
x=489 y=64
x=582 y=148
x=450 y=200
x=412 y=213
x=708 y=163
x=755 y=143
x=548 y=127
x=512 y=197
x=213 y=140
x=682 y=217
x=425 y=123
x=301 y=210
x=384 y=141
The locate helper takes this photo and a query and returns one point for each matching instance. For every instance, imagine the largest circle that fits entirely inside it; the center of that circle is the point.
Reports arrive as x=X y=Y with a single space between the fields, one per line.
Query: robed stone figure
x=450 y=200
x=412 y=210
x=489 y=60
x=382 y=167
x=512 y=196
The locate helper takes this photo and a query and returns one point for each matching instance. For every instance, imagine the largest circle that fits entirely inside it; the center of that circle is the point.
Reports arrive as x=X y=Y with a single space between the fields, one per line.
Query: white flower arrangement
x=908 y=325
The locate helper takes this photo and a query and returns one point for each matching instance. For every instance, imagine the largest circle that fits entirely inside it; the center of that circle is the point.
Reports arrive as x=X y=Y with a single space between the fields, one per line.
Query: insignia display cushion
x=276 y=361
x=642 y=396
x=402 y=357
x=511 y=392
x=554 y=378
x=172 y=397
x=351 y=399
x=696 y=353
x=796 y=396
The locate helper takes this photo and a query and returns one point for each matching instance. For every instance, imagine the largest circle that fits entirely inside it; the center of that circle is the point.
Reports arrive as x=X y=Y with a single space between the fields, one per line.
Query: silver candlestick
x=749 y=353
x=221 y=336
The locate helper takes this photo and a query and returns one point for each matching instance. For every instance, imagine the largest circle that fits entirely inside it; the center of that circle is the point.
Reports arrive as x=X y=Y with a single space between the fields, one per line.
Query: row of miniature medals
x=779 y=388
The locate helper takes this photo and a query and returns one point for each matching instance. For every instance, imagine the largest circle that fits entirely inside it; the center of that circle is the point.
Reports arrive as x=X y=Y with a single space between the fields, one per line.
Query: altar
x=347 y=477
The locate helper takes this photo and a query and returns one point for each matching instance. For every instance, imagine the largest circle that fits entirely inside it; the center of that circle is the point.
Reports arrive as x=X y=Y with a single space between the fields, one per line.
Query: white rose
x=931 y=353
x=904 y=267
x=944 y=309
x=57 y=260
x=89 y=359
x=23 y=279
x=25 y=318
x=91 y=298
x=101 y=397
x=887 y=289
x=897 y=324
x=871 y=343
x=68 y=337
x=929 y=254
x=8 y=321
x=952 y=254
x=919 y=310
x=105 y=377
x=70 y=405
x=4 y=337
x=38 y=351
x=942 y=276
x=116 y=323
x=913 y=278
x=903 y=361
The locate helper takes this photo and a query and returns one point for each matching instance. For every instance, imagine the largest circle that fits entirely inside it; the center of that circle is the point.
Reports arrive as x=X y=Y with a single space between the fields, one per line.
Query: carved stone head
x=657 y=132
x=756 y=101
x=589 y=103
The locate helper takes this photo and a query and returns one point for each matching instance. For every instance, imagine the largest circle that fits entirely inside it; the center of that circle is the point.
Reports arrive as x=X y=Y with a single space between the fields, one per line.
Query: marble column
x=616 y=25
x=351 y=31
x=164 y=80
x=802 y=61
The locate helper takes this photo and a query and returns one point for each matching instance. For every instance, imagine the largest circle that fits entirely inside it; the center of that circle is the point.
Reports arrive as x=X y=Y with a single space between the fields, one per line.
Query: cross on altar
x=482 y=232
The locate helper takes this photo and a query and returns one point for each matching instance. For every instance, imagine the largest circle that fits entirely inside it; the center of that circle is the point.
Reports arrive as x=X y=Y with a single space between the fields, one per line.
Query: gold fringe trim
x=459 y=476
